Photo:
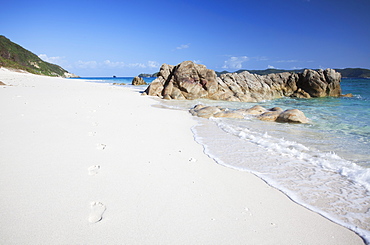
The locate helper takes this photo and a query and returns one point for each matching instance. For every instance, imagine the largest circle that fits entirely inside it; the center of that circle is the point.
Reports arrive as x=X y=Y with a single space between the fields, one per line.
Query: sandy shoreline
x=86 y=163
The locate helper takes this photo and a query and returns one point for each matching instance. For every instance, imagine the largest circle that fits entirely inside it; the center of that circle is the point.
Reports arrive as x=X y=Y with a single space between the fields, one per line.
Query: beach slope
x=87 y=163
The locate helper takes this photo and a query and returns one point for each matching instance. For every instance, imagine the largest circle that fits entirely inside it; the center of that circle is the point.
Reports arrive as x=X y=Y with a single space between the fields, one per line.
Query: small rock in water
x=292 y=116
x=275 y=114
x=229 y=114
x=269 y=116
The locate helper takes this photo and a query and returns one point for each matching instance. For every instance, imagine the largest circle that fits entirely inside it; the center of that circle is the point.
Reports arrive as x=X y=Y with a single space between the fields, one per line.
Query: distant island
x=14 y=56
x=346 y=73
x=148 y=75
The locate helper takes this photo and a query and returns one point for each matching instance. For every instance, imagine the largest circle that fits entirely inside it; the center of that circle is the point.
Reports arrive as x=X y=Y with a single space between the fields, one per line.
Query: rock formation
x=193 y=81
x=275 y=114
x=138 y=81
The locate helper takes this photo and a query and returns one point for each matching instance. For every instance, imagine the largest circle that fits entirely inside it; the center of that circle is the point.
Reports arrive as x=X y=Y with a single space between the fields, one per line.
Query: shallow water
x=111 y=80
x=323 y=165
x=307 y=176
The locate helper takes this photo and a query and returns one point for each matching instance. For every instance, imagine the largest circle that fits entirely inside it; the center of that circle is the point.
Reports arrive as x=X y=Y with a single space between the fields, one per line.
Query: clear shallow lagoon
x=323 y=165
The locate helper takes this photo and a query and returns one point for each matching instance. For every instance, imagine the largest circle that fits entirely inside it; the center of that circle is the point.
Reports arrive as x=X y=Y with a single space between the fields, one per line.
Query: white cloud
x=121 y=64
x=197 y=61
x=270 y=67
x=95 y=64
x=134 y=65
x=183 y=46
x=86 y=64
x=235 y=62
x=287 y=61
x=115 y=64
x=153 y=64
x=261 y=58
x=54 y=60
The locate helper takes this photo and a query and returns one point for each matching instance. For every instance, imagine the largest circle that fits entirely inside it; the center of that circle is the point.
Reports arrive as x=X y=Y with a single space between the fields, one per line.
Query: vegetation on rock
x=14 y=56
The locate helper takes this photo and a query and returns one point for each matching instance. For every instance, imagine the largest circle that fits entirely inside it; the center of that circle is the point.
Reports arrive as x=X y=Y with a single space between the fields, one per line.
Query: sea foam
x=320 y=181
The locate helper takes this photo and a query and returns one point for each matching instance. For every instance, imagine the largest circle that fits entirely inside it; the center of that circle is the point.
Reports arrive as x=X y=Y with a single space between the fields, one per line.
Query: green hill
x=14 y=56
x=347 y=72
x=354 y=72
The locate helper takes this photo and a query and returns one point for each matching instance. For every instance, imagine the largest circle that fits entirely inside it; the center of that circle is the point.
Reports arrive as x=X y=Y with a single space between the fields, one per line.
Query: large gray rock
x=191 y=81
x=184 y=81
x=320 y=83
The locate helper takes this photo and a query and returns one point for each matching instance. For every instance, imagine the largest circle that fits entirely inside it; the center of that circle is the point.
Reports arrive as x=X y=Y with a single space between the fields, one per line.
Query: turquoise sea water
x=323 y=165
x=126 y=80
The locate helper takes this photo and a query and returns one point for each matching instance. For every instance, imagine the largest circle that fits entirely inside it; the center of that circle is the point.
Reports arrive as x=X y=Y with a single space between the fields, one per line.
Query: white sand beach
x=88 y=163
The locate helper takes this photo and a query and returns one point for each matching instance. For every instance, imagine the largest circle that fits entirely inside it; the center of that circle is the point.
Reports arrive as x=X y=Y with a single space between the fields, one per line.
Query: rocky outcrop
x=275 y=114
x=191 y=81
x=70 y=75
x=320 y=83
x=138 y=81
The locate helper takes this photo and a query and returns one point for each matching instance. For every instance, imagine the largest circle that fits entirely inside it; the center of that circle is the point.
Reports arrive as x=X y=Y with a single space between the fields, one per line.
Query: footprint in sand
x=101 y=146
x=97 y=210
x=247 y=211
x=93 y=169
x=92 y=133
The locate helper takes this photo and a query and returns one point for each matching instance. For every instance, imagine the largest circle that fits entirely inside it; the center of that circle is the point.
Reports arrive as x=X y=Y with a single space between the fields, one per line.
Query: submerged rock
x=188 y=80
x=229 y=114
x=204 y=111
x=350 y=95
x=275 y=114
x=255 y=110
x=269 y=116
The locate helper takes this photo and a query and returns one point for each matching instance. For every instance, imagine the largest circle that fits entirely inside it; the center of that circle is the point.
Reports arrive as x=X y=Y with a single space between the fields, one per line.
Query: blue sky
x=125 y=38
